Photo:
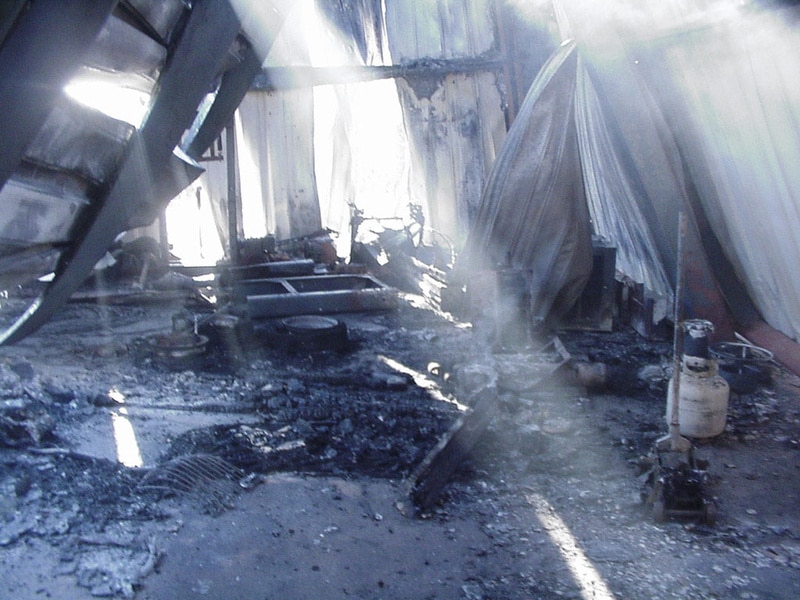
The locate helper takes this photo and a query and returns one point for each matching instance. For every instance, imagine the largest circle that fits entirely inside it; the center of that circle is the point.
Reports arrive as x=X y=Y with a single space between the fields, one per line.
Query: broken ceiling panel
x=659 y=97
x=32 y=73
x=654 y=161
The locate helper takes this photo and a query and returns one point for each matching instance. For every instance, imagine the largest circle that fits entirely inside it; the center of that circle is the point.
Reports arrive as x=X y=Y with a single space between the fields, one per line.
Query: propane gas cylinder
x=703 y=403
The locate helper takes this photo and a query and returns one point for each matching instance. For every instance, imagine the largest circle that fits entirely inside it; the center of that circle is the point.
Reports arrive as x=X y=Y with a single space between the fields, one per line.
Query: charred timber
x=285 y=78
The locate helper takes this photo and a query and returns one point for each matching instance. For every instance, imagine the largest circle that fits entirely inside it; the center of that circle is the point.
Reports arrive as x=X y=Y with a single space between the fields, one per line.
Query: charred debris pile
x=334 y=375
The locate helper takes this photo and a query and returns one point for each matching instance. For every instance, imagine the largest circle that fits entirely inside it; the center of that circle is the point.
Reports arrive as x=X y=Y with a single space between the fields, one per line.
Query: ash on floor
x=317 y=446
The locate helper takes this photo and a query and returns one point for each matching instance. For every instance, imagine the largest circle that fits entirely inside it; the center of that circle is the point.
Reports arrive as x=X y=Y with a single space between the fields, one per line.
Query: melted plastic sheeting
x=533 y=215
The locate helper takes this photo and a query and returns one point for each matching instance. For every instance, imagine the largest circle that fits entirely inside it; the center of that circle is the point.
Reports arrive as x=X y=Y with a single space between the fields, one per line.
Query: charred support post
x=233 y=192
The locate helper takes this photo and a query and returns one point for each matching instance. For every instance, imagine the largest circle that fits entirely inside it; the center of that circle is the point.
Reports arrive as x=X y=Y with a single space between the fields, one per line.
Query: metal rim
x=309 y=323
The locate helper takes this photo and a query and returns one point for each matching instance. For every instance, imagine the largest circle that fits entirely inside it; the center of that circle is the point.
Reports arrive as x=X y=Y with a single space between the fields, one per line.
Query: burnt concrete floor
x=549 y=506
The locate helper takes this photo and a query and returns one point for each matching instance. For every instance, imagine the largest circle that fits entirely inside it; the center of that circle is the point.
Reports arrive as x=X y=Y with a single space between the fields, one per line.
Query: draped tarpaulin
x=704 y=95
x=731 y=92
x=533 y=215
x=614 y=193
x=680 y=132
x=565 y=173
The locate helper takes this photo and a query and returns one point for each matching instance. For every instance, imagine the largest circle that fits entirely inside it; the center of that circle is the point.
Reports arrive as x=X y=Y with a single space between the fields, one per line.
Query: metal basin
x=321 y=294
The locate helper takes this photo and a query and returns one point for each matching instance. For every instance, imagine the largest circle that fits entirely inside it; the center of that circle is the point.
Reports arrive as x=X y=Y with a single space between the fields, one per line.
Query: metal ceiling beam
x=234 y=85
x=191 y=70
x=40 y=54
x=9 y=11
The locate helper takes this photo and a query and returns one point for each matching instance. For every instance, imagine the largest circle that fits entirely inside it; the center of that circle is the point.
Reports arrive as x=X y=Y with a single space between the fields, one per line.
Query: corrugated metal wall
x=439 y=28
x=450 y=124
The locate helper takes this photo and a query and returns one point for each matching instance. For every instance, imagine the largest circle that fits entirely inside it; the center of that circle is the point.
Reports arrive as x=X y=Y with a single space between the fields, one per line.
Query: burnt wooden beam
x=432 y=475
x=426 y=483
x=286 y=78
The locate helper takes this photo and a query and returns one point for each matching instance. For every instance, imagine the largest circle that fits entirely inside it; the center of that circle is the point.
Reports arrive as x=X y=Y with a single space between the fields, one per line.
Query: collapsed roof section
x=102 y=125
x=664 y=106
